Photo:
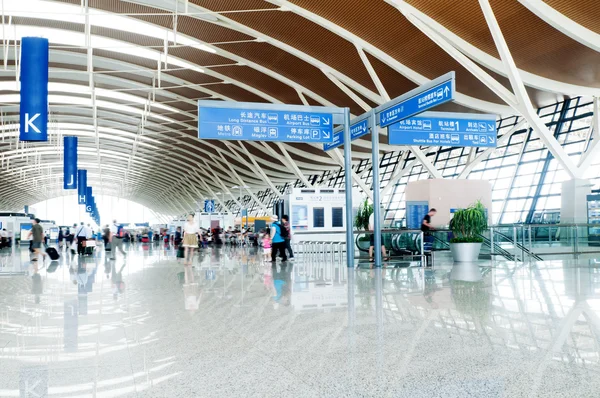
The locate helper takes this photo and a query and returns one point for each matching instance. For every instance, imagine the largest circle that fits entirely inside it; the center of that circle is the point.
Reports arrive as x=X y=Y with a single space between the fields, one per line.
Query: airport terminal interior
x=300 y=198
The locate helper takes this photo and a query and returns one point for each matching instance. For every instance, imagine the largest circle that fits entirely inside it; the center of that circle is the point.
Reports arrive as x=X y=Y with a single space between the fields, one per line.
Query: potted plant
x=467 y=225
x=361 y=223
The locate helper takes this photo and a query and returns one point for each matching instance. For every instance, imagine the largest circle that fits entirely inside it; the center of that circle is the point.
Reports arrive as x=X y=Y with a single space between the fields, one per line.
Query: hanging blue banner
x=70 y=163
x=81 y=184
x=34 y=89
x=89 y=199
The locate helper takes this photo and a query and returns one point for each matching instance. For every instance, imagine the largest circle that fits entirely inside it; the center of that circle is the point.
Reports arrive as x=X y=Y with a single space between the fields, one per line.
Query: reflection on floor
x=234 y=326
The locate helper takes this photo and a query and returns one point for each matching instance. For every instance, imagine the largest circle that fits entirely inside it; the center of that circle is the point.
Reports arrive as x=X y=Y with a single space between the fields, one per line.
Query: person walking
x=288 y=239
x=81 y=236
x=61 y=237
x=278 y=241
x=117 y=233
x=37 y=233
x=190 y=239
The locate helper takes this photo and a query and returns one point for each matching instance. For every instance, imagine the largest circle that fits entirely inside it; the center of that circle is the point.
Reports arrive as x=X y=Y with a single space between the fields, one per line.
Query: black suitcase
x=50 y=251
x=88 y=251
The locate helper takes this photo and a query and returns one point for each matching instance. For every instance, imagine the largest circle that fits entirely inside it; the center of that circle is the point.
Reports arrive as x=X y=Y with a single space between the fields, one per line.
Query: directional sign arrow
x=490 y=127
x=326 y=121
x=492 y=139
x=446 y=90
x=326 y=134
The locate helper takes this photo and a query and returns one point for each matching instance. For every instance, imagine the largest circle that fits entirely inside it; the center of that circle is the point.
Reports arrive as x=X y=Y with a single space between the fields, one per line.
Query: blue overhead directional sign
x=209 y=206
x=357 y=130
x=445 y=129
x=419 y=100
x=263 y=124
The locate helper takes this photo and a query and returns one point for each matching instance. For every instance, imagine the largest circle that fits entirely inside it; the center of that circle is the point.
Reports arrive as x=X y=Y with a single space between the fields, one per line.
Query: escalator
x=505 y=253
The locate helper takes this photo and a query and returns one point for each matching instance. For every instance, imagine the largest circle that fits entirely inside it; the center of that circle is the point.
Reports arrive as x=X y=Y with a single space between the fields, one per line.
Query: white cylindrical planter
x=467 y=272
x=465 y=252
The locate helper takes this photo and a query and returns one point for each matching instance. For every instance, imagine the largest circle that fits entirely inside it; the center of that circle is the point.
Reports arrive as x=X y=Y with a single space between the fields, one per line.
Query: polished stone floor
x=143 y=326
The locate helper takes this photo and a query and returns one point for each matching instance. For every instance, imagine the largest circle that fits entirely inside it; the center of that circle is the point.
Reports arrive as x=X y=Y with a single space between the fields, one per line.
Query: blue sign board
x=70 y=163
x=81 y=184
x=420 y=102
x=209 y=206
x=445 y=129
x=33 y=110
x=247 y=124
x=415 y=211
x=357 y=130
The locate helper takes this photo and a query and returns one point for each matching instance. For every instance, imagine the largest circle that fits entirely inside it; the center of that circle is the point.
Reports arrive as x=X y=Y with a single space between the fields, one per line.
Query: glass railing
x=513 y=242
x=546 y=241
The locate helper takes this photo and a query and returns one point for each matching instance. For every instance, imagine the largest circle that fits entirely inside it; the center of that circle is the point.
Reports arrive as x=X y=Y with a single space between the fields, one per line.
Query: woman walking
x=190 y=239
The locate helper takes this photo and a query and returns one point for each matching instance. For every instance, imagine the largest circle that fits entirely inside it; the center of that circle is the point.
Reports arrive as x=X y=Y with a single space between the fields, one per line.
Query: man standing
x=116 y=240
x=426 y=222
x=288 y=239
x=37 y=232
x=81 y=236
x=278 y=242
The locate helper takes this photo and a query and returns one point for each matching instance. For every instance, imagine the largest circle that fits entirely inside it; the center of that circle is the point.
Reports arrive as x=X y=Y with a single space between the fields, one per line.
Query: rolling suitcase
x=50 y=251
x=89 y=250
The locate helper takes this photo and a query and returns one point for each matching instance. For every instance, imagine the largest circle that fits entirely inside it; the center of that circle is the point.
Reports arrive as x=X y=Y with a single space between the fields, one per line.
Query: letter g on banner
x=34 y=89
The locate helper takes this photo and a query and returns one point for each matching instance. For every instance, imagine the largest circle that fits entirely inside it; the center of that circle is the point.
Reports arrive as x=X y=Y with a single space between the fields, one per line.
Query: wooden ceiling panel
x=383 y=26
x=303 y=35
x=293 y=68
x=236 y=93
x=265 y=83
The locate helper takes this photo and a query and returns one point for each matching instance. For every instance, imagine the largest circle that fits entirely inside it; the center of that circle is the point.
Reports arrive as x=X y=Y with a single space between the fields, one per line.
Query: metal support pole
x=575 y=243
x=530 y=245
x=515 y=241
x=492 y=242
x=423 y=257
x=348 y=179
x=376 y=190
x=522 y=243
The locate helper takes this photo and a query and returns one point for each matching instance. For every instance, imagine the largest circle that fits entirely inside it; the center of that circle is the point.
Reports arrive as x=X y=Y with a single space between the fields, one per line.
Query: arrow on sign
x=446 y=90
x=491 y=127
x=326 y=134
x=383 y=118
x=492 y=139
x=326 y=121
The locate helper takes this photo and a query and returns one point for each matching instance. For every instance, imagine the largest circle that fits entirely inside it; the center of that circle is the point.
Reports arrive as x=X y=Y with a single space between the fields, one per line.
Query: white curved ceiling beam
x=563 y=23
x=129 y=24
x=493 y=63
x=57 y=36
x=410 y=74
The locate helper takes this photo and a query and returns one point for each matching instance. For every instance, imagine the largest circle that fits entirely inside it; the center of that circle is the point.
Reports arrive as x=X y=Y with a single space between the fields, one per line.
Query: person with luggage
x=190 y=239
x=288 y=239
x=278 y=234
x=37 y=237
x=117 y=233
x=71 y=238
x=81 y=236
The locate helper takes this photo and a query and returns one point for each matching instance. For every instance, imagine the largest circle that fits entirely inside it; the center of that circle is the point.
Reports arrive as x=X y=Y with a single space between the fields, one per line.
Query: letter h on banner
x=34 y=89
x=81 y=186
x=70 y=163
